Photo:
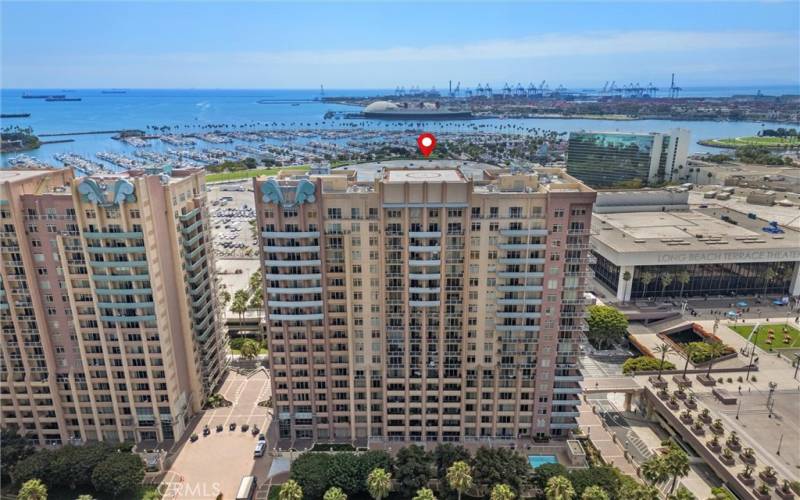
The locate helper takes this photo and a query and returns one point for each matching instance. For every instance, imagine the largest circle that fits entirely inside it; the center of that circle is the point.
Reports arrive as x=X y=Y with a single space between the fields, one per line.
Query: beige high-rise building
x=423 y=305
x=108 y=309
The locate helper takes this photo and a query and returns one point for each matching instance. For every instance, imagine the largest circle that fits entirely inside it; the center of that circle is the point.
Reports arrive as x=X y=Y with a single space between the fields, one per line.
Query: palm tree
x=715 y=350
x=594 y=493
x=379 y=484
x=33 y=489
x=559 y=488
x=646 y=278
x=255 y=282
x=250 y=349
x=502 y=492
x=769 y=275
x=683 y=277
x=666 y=281
x=653 y=470
x=424 y=494
x=459 y=477
x=224 y=297
x=662 y=349
x=632 y=490
x=689 y=350
x=334 y=494
x=290 y=491
x=239 y=306
x=675 y=464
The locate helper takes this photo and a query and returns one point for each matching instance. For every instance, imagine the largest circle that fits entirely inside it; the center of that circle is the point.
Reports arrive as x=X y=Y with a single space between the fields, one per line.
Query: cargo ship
x=113 y=91
x=386 y=110
x=15 y=115
x=62 y=99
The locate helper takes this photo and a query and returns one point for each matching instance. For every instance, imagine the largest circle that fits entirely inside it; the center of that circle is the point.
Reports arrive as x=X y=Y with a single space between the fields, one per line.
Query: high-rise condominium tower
x=424 y=306
x=108 y=310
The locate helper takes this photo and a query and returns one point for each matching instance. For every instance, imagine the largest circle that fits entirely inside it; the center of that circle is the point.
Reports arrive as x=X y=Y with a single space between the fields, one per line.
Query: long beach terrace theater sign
x=766 y=255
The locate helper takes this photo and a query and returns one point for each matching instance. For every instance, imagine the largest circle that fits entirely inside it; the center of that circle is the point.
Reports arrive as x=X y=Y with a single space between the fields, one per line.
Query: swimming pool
x=537 y=460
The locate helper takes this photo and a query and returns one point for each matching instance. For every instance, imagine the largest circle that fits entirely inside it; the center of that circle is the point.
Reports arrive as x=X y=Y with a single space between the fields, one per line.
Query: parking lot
x=232 y=213
x=216 y=463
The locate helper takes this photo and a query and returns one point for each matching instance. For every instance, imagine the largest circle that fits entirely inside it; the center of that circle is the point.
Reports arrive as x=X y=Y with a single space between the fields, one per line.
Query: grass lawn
x=763 y=335
x=248 y=174
x=770 y=142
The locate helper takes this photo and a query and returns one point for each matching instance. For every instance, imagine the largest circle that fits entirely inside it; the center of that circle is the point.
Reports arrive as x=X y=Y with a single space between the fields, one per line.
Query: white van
x=261 y=447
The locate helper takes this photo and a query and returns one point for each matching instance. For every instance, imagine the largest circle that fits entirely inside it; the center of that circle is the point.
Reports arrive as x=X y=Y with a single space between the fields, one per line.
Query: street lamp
x=752 y=355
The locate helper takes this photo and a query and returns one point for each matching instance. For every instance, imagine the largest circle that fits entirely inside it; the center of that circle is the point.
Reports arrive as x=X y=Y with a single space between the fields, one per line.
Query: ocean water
x=202 y=109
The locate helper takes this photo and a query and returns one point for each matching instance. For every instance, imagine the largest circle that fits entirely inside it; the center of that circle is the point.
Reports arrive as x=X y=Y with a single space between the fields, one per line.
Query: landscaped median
x=250 y=173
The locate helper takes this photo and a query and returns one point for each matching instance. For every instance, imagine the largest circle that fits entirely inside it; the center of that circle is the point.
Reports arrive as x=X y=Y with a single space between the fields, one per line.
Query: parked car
x=261 y=447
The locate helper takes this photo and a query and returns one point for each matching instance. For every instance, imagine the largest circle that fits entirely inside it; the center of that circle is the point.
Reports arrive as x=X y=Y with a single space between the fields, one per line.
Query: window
x=334 y=213
x=558 y=213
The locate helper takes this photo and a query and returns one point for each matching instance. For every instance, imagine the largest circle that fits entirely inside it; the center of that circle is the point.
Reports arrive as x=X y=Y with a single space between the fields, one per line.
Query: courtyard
x=216 y=463
x=770 y=336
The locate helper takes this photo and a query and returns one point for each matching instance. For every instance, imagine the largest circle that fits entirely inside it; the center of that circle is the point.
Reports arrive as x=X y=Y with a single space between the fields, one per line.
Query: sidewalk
x=612 y=453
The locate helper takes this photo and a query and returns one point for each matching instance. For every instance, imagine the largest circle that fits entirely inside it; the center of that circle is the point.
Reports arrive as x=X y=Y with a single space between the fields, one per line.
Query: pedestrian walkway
x=612 y=453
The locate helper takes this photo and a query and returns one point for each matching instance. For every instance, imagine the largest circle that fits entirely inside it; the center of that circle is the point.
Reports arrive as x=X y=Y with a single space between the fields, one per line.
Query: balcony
x=124 y=291
x=125 y=319
x=290 y=234
x=194 y=239
x=519 y=314
x=521 y=261
x=424 y=234
x=296 y=317
x=423 y=303
x=292 y=263
x=517 y=302
x=288 y=249
x=520 y=288
x=192 y=227
x=568 y=378
x=522 y=246
x=424 y=276
x=113 y=263
x=423 y=290
x=293 y=277
x=523 y=232
x=421 y=263
x=128 y=234
x=121 y=277
x=115 y=250
x=310 y=289
x=567 y=390
x=564 y=425
x=126 y=305
x=520 y=274
x=565 y=414
x=191 y=213
x=302 y=303
x=517 y=328
x=419 y=248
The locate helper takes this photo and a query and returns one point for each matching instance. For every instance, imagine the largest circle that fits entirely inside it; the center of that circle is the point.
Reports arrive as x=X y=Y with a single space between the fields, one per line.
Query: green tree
x=720 y=493
x=255 y=282
x=690 y=350
x=250 y=349
x=14 y=448
x=33 y=467
x=446 y=454
x=239 y=305
x=606 y=477
x=334 y=494
x=90 y=497
x=654 y=471
x=413 y=469
x=499 y=466
x=543 y=473
x=290 y=490
x=683 y=277
x=682 y=494
x=379 y=484
x=502 y=492
x=646 y=278
x=631 y=490
x=662 y=349
x=606 y=326
x=311 y=471
x=594 y=493
x=459 y=477
x=715 y=350
x=224 y=297
x=676 y=465
x=424 y=494
x=559 y=488
x=32 y=489
x=256 y=301
x=666 y=281
x=118 y=473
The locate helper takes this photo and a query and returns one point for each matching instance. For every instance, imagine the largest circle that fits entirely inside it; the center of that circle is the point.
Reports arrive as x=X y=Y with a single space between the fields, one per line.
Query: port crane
x=519 y=90
x=673 y=90
x=507 y=90
x=488 y=90
x=531 y=90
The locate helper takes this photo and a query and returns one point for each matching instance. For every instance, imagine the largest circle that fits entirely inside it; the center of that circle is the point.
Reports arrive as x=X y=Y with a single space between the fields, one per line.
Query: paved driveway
x=216 y=463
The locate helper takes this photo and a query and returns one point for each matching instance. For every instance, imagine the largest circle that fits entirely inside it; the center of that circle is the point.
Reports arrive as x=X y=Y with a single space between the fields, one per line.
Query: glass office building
x=603 y=159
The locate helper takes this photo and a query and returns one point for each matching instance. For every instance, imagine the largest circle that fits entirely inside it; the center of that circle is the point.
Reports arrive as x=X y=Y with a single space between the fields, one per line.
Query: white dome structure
x=381 y=107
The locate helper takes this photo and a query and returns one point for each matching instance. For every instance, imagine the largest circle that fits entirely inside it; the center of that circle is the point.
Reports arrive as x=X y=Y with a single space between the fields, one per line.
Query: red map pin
x=427 y=143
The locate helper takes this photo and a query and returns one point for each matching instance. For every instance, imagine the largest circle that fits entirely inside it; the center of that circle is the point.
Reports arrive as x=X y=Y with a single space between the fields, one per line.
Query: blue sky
x=383 y=44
